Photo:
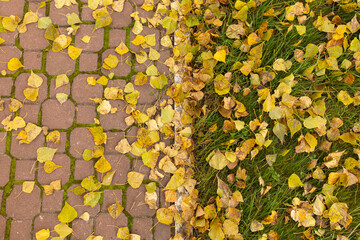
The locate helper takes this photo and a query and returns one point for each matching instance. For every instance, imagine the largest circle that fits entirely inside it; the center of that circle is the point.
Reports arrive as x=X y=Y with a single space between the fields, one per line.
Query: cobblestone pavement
x=23 y=214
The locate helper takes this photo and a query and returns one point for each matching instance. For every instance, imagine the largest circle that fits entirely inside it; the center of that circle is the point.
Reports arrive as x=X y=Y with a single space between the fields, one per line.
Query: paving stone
x=83 y=169
x=21 y=83
x=131 y=134
x=62 y=173
x=96 y=41
x=113 y=139
x=117 y=83
x=161 y=231
x=32 y=60
x=30 y=112
x=8 y=52
x=23 y=205
x=61 y=145
x=63 y=89
x=148 y=95
x=138 y=2
x=85 y=114
x=78 y=201
x=116 y=36
x=1 y=194
x=53 y=202
x=123 y=18
x=24 y=150
x=122 y=69
x=46 y=221
x=58 y=16
x=141 y=67
x=143 y=227
x=6 y=112
x=146 y=31
x=121 y=164
x=25 y=170
x=5 y=164
x=34 y=7
x=59 y=63
x=5 y=86
x=20 y=230
x=2 y=142
x=14 y=7
x=86 y=13
x=82 y=229
x=110 y=197
x=114 y=120
x=162 y=68
x=33 y=38
x=135 y=202
x=2 y=227
x=56 y=115
x=9 y=38
x=88 y=62
x=81 y=91
x=80 y=139
x=104 y=225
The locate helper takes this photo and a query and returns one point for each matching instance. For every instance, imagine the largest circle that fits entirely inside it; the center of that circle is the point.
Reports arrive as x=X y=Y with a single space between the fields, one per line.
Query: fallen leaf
x=28 y=186
x=67 y=214
x=135 y=179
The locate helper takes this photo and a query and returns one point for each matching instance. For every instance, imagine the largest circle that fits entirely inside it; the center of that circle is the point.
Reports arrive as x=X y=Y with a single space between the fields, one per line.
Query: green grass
x=255 y=206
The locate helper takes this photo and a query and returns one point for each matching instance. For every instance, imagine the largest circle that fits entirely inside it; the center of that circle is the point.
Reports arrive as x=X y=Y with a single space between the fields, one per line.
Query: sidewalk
x=22 y=214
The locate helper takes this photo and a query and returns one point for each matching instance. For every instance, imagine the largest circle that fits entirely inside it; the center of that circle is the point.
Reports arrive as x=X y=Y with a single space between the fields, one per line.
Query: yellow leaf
x=74 y=52
x=148 y=5
x=167 y=114
x=1 y=40
x=345 y=98
x=50 y=166
x=150 y=40
x=269 y=103
x=256 y=226
x=139 y=39
x=43 y=234
x=217 y=160
x=220 y=55
x=150 y=158
x=294 y=181
x=110 y=62
x=123 y=233
x=216 y=230
x=29 y=134
x=18 y=122
x=61 y=97
x=28 y=186
x=98 y=133
x=102 y=80
x=314 y=122
x=61 y=80
x=107 y=179
x=152 y=70
x=54 y=137
x=122 y=48
x=30 y=17
x=63 y=230
x=294 y=126
x=31 y=94
x=165 y=216
x=10 y=23
x=129 y=88
x=137 y=28
x=123 y=146
x=154 y=55
x=34 y=80
x=253 y=39
x=118 y=6
x=14 y=64
x=93 y=4
x=300 y=29
x=45 y=154
x=86 y=39
x=135 y=179
x=158 y=82
x=67 y=214
x=102 y=165
x=132 y=97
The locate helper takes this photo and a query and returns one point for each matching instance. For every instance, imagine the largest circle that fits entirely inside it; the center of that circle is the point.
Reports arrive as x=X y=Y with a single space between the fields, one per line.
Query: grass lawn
x=318 y=77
